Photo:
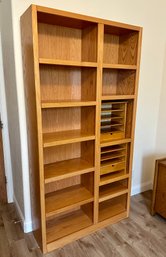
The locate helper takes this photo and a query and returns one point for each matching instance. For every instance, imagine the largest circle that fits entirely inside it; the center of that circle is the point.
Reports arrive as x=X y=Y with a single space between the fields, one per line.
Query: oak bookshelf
x=81 y=82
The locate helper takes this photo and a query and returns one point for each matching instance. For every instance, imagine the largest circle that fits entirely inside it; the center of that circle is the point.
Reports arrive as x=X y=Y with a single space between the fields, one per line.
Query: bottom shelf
x=69 y=223
x=110 y=208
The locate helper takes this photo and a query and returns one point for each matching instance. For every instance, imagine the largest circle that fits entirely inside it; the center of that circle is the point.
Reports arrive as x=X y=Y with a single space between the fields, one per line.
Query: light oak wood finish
x=87 y=62
x=159 y=192
x=67 y=198
x=140 y=235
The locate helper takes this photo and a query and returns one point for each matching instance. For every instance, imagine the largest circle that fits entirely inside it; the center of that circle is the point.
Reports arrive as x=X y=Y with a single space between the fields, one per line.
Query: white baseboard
x=27 y=226
x=137 y=189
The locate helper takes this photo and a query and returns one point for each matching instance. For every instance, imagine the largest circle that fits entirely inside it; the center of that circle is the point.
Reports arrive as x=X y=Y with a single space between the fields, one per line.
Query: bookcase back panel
x=64 y=43
x=62 y=153
x=85 y=180
x=120 y=47
x=118 y=82
x=111 y=48
x=61 y=184
x=67 y=119
x=128 y=48
x=60 y=83
x=61 y=119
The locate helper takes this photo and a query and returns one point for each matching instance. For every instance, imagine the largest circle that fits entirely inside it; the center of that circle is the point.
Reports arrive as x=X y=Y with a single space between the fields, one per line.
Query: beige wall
x=12 y=100
x=151 y=16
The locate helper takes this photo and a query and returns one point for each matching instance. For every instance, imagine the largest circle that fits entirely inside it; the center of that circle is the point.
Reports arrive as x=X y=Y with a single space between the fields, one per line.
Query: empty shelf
x=65 y=199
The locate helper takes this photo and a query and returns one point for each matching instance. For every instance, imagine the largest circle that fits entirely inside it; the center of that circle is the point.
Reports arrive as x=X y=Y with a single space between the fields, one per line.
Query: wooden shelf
x=66 y=169
x=119 y=66
x=65 y=137
x=67 y=225
x=67 y=63
x=111 y=191
x=112 y=207
x=66 y=199
x=113 y=177
x=58 y=104
x=117 y=97
x=116 y=142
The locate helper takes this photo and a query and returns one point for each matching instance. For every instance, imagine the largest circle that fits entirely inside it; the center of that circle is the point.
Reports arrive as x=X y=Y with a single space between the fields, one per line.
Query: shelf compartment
x=114 y=152
x=112 y=207
x=66 y=199
x=113 y=177
x=68 y=168
x=118 y=82
x=113 y=190
x=68 y=125
x=67 y=84
x=68 y=43
x=69 y=223
x=68 y=160
x=113 y=120
x=120 y=46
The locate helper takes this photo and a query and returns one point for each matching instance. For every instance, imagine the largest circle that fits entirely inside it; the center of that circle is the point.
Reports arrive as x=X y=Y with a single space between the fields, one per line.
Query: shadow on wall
x=148 y=168
x=160 y=150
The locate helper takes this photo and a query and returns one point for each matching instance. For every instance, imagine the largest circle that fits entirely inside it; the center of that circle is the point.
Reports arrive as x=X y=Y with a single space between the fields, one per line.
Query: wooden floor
x=140 y=235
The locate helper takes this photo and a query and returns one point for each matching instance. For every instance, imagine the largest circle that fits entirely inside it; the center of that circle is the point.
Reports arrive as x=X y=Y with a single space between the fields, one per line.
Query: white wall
x=5 y=132
x=11 y=97
x=151 y=16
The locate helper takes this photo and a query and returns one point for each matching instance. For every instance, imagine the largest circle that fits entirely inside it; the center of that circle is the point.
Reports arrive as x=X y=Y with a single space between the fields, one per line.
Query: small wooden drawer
x=112 y=136
x=108 y=168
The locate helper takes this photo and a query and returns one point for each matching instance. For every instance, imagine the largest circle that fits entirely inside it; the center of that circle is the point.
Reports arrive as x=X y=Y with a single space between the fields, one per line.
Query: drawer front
x=112 y=168
x=112 y=136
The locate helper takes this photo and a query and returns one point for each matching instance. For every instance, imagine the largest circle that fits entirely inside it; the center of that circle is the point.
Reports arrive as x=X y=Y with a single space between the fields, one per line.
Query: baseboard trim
x=137 y=189
x=27 y=226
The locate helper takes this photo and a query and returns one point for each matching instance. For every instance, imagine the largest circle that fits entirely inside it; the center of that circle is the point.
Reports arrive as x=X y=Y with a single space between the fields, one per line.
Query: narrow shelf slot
x=113 y=190
x=113 y=177
x=65 y=169
x=66 y=199
x=69 y=223
x=112 y=207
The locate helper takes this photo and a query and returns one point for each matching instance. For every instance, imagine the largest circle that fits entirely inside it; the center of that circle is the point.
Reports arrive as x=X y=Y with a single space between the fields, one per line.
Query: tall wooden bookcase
x=81 y=81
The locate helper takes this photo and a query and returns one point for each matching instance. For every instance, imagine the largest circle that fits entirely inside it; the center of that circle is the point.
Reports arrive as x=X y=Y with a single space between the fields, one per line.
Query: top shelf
x=49 y=61
x=119 y=66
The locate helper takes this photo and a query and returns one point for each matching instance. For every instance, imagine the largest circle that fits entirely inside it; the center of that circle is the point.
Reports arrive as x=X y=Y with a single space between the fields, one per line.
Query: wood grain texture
x=159 y=192
x=67 y=198
x=80 y=55
x=141 y=235
x=3 y=192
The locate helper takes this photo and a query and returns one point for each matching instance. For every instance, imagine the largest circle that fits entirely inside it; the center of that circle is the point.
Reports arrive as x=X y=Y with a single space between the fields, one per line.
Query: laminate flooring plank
x=142 y=241
x=141 y=235
x=4 y=246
